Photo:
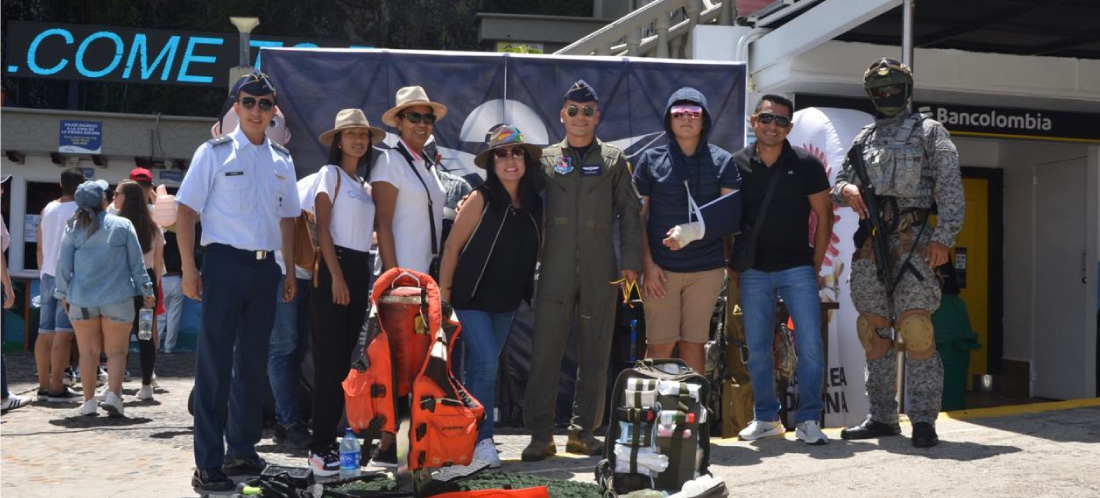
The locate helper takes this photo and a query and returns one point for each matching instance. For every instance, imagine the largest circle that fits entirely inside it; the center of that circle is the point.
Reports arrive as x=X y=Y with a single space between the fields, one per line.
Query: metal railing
x=660 y=29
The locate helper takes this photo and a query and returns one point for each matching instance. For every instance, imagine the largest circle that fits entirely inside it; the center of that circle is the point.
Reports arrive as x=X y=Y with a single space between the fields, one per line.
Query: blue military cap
x=581 y=92
x=255 y=83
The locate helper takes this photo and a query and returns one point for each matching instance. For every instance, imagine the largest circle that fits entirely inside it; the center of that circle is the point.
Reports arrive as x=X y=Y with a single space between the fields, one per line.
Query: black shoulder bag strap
x=765 y=204
x=431 y=217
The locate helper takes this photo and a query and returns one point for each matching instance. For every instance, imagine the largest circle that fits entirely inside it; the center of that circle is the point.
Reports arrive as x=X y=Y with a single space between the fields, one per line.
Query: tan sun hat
x=412 y=96
x=352 y=118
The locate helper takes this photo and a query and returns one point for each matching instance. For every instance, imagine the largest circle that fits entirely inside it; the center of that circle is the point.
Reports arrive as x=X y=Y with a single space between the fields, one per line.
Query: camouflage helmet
x=888 y=72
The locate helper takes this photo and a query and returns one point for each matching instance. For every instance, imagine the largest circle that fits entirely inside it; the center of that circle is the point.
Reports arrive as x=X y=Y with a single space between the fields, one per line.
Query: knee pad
x=916 y=329
x=867 y=326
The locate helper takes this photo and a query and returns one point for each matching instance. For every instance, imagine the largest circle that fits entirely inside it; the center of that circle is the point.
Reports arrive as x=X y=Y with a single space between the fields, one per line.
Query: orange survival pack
x=410 y=337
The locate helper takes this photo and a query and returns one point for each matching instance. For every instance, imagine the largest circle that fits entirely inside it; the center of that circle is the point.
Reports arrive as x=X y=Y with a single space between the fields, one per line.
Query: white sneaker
x=112 y=404
x=145 y=393
x=87 y=409
x=154 y=383
x=486 y=451
x=810 y=433
x=759 y=430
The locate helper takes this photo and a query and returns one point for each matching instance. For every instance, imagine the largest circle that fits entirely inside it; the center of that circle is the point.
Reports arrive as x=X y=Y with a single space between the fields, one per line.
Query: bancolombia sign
x=101 y=53
x=986 y=121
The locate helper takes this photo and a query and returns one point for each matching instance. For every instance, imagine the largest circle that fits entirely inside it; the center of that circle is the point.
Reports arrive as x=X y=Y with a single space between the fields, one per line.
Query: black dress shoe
x=212 y=480
x=924 y=435
x=252 y=466
x=870 y=429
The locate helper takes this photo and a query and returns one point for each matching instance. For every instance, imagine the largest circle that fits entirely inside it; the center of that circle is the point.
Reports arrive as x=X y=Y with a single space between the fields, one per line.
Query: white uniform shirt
x=54 y=217
x=352 y=222
x=242 y=191
x=411 y=231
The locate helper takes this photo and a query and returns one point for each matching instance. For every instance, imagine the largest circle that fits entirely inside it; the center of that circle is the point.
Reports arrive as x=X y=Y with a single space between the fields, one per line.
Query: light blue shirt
x=241 y=191
x=103 y=267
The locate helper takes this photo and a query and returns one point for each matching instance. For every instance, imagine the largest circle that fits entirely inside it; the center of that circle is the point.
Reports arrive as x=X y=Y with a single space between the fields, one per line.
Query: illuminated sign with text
x=101 y=53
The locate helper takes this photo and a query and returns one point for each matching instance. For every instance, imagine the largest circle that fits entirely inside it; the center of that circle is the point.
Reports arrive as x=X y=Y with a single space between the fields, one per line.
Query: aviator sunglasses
x=250 y=102
x=767 y=117
x=687 y=111
x=415 y=117
x=515 y=152
x=588 y=110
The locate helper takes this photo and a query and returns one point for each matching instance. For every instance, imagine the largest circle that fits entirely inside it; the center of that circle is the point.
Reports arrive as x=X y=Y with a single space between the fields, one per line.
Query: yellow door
x=974 y=237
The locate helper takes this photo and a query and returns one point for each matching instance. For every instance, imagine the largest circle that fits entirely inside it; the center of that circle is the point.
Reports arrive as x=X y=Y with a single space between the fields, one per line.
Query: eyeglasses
x=250 y=102
x=515 y=152
x=767 y=117
x=588 y=110
x=687 y=112
x=415 y=117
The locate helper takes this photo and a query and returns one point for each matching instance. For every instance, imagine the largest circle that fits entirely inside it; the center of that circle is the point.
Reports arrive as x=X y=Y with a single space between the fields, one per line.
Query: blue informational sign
x=482 y=90
x=80 y=137
x=171 y=175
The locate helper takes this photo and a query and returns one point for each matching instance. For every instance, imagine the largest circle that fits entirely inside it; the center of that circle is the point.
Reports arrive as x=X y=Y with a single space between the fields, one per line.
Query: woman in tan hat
x=407 y=192
x=345 y=222
x=489 y=264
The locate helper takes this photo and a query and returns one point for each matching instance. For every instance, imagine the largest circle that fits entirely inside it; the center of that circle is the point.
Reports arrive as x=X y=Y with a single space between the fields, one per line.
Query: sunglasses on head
x=588 y=110
x=687 y=111
x=515 y=152
x=767 y=117
x=250 y=102
x=415 y=117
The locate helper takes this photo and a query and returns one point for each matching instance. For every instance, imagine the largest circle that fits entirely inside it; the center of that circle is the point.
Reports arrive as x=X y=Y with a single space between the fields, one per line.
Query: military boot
x=924 y=435
x=583 y=443
x=539 y=448
x=870 y=429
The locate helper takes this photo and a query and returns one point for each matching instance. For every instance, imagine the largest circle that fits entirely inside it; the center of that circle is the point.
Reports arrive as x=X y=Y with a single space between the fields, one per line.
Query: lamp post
x=244 y=25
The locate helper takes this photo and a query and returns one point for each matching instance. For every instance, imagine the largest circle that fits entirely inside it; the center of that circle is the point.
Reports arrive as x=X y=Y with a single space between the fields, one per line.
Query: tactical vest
x=895 y=158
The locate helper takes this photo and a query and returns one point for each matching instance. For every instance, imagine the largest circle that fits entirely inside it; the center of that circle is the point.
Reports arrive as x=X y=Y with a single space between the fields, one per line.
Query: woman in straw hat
x=407 y=192
x=345 y=222
x=489 y=264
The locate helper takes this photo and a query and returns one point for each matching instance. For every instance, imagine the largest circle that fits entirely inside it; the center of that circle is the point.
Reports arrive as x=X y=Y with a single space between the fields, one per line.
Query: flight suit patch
x=564 y=166
x=592 y=170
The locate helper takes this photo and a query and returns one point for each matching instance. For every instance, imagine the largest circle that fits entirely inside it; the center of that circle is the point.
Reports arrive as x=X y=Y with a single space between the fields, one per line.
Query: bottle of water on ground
x=145 y=324
x=349 y=455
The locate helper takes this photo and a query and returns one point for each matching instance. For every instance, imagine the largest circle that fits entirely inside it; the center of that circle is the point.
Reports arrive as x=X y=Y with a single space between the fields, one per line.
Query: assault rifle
x=873 y=225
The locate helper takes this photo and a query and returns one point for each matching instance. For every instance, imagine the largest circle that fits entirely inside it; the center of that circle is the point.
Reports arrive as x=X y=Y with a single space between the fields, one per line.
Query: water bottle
x=145 y=324
x=633 y=339
x=349 y=455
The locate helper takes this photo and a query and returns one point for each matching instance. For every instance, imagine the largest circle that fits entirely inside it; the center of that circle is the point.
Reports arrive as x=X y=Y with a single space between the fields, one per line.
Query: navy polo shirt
x=707 y=172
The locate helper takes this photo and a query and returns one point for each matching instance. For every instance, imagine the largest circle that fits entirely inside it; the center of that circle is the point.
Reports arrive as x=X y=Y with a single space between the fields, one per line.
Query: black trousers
x=334 y=330
x=146 y=348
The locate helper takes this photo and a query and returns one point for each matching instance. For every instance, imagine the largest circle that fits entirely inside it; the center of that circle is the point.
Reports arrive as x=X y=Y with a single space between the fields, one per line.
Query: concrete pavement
x=1035 y=450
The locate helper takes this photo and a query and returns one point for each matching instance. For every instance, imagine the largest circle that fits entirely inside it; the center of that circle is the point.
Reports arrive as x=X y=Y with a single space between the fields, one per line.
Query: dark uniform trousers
x=231 y=354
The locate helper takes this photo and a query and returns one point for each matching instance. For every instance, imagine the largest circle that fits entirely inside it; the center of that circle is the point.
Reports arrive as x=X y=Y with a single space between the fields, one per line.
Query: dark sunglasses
x=515 y=152
x=250 y=102
x=415 y=117
x=588 y=110
x=767 y=117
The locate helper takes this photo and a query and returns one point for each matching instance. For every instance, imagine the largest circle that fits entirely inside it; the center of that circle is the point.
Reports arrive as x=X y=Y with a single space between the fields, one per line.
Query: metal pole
x=907 y=12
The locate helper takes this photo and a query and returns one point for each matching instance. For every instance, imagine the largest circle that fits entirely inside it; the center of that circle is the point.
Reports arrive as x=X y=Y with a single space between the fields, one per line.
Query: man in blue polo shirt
x=243 y=187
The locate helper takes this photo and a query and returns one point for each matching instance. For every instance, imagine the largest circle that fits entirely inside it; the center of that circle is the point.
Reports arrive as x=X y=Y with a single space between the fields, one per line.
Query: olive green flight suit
x=584 y=196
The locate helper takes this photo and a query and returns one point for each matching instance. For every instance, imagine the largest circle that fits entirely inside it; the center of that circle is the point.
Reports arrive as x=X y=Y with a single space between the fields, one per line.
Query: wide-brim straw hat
x=412 y=96
x=506 y=135
x=352 y=118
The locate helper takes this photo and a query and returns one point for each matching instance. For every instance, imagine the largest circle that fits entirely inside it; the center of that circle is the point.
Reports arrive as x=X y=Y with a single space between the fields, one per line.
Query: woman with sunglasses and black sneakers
x=489 y=264
x=345 y=222
x=409 y=198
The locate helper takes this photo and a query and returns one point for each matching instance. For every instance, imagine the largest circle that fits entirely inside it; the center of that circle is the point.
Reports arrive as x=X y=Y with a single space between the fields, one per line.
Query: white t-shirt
x=150 y=256
x=411 y=231
x=352 y=221
x=54 y=217
x=299 y=272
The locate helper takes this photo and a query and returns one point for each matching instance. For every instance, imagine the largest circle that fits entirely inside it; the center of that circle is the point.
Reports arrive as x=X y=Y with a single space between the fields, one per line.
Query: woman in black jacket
x=489 y=262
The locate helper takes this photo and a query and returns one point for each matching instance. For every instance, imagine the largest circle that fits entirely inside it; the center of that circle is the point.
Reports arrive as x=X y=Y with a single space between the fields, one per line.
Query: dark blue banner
x=481 y=90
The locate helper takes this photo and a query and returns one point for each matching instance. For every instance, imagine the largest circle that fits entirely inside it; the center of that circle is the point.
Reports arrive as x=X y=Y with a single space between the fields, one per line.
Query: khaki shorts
x=684 y=313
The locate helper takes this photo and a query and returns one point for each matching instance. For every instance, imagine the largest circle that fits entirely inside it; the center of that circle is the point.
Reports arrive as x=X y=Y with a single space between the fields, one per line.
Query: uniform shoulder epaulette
x=224 y=139
x=280 y=148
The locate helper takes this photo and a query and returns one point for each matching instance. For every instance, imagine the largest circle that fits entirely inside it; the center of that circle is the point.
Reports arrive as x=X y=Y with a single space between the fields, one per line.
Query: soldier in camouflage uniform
x=914 y=168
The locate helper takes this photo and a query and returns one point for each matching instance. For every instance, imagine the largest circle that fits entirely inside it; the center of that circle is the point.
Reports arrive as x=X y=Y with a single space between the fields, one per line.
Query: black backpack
x=658 y=433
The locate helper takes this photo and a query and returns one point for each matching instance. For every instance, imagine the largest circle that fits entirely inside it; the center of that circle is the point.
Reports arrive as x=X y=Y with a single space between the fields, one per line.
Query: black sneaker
x=252 y=466
x=65 y=395
x=296 y=435
x=212 y=480
x=924 y=435
x=386 y=457
x=43 y=395
x=326 y=464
